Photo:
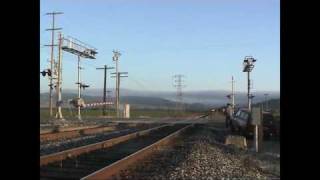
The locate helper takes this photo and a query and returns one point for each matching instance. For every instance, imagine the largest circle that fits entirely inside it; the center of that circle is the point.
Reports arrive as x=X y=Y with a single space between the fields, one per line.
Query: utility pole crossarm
x=54 y=13
x=53 y=29
x=51 y=45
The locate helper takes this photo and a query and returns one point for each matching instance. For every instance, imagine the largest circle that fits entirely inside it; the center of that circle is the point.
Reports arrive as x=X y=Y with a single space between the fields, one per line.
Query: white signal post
x=79 y=49
x=58 y=86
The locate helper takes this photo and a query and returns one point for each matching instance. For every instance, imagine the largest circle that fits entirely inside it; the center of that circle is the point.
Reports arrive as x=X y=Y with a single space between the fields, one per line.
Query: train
x=240 y=122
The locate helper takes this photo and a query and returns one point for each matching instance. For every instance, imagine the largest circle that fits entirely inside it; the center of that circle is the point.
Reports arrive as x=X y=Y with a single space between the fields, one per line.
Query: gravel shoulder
x=202 y=155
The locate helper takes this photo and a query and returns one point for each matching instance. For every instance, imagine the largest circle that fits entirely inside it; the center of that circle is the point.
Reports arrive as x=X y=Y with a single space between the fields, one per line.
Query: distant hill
x=137 y=102
x=209 y=98
x=273 y=104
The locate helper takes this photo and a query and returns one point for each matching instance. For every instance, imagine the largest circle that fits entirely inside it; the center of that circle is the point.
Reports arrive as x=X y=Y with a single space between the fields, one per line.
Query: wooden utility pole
x=118 y=76
x=116 y=55
x=52 y=29
x=105 y=68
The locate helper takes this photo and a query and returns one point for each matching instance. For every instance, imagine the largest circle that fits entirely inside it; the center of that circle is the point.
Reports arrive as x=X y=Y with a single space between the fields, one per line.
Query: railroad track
x=73 y=133
x=57 y=134
x=106 y=159
x=50 y=147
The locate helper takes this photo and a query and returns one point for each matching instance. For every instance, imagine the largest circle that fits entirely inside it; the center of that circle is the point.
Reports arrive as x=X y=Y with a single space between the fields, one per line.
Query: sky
x=205 y=40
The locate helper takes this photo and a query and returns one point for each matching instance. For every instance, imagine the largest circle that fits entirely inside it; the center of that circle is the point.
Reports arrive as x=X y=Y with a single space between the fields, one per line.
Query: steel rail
x=50 y=136
x=114 y=169
x=46 y=159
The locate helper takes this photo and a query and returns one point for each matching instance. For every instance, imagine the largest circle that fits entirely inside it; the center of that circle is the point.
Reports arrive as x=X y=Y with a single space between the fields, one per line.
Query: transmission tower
x=52 y=61
x=179 y=84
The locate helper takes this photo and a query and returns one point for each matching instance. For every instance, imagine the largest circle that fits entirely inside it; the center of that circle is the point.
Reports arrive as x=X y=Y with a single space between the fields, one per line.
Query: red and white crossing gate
x=97 y=104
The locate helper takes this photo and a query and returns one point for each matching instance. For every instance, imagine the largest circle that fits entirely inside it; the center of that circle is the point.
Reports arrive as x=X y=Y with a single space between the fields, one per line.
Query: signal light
x=84 y=86
x=43 y=73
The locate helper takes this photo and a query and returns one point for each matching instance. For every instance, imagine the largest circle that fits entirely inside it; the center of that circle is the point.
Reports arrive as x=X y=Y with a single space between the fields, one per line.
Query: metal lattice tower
x=179 y=84
x=52 y=61
x=232 y=95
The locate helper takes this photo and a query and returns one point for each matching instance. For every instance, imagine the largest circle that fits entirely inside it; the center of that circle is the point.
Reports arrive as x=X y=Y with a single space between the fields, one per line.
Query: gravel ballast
x=202 y=155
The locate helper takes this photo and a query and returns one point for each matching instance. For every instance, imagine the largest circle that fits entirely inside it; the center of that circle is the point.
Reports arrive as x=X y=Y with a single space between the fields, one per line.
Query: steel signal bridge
x=75 y=46
x=80 y=49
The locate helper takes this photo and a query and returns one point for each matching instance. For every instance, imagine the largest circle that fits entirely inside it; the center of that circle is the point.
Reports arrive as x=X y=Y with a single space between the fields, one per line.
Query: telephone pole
x=178 y=83
x=52 y=29
x=105 y=68
x=118 y=76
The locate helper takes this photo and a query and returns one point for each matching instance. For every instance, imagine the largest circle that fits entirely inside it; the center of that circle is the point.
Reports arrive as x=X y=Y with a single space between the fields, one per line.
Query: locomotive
x=241 y=123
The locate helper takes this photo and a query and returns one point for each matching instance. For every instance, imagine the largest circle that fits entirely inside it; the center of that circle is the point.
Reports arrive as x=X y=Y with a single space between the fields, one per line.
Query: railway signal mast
x=80 y=49
x=52 y=61
x=248 y=65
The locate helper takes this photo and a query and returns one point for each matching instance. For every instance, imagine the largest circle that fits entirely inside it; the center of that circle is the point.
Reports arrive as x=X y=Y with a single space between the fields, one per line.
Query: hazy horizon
x=161 y=91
